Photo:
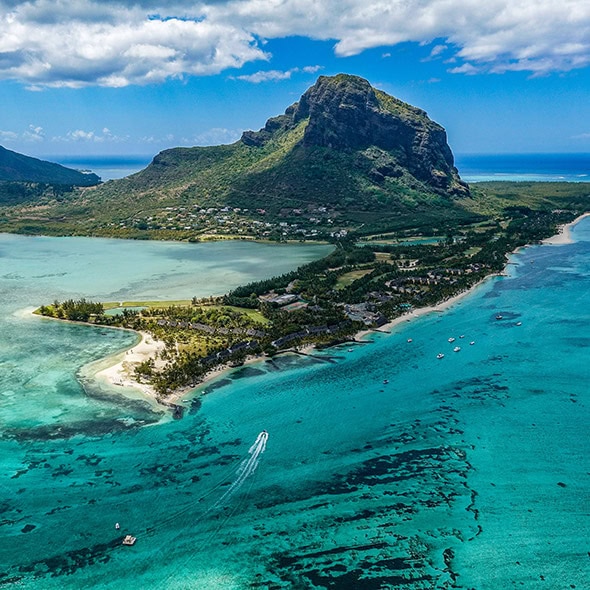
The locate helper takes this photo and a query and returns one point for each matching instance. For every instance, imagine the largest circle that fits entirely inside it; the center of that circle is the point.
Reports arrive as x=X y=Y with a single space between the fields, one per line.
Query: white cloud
x=215 y=136
x=437 y=50
x=34 y=133
x=8 y=136
x=83 y=136
x=116 y=43
x=274 y=75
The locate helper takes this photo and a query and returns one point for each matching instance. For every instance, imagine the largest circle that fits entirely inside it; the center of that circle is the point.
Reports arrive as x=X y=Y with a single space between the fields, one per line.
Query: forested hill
x=345 y=159
x=346 y=146
x=15 y=167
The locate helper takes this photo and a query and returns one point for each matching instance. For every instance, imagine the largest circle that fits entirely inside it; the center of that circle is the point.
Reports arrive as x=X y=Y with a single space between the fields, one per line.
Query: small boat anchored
x=456 y=349
x=129 y=540
x=451 y=339
x=440 y=355
x=499 y=317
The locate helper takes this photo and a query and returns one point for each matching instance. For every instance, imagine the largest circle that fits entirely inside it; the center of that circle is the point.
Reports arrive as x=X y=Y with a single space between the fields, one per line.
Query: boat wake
x=247 y=467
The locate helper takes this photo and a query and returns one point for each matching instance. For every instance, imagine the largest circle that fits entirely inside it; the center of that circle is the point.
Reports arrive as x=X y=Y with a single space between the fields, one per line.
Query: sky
x=108 y=77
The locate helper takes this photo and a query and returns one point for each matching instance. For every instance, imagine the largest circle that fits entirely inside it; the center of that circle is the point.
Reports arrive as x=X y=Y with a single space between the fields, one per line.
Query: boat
x=350 y=350
x=129 y=540
x=499 y=317
x=519 y=323
x=472 y=343
x=409 y=340
x=451 y=339
x=440 y=355
x=462 y=336
x=456 y=349
x=385 y=381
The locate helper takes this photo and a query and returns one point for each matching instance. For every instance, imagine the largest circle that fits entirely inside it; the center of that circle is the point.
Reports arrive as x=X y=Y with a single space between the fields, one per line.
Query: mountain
x=389 y=138
x=15 y=167
x=346 y=156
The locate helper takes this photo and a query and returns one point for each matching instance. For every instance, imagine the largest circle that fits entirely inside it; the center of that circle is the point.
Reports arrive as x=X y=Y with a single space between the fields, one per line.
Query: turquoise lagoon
x=381 y=466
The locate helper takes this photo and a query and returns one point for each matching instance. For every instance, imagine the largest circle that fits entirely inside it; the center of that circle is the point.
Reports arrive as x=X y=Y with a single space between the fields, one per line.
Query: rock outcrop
x=392 y=138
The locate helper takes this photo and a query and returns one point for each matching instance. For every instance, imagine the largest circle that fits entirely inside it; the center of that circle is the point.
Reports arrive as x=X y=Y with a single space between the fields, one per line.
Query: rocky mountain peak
x=345 y=112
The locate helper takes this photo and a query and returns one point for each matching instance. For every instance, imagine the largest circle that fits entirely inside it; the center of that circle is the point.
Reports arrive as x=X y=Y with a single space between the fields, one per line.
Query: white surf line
x=247 y=467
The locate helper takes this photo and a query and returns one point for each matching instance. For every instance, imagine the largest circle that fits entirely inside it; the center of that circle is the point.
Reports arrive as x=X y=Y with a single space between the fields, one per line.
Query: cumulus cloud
x=116 y=43
x=81 y=135
x=8 y=136
x=274 y=75
x=214 y=136
x=34 y=133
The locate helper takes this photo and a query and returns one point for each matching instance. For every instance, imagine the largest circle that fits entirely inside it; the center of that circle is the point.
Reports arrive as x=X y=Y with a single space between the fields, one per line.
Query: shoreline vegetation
x=341 y=298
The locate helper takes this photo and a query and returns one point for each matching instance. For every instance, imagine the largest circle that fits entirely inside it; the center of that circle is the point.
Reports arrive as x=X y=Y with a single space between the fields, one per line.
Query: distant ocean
x=472 y=167
x=524 y=167
x=107 y=167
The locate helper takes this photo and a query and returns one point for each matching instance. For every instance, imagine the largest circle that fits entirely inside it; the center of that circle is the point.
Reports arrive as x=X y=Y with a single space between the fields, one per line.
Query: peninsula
x=347 y=164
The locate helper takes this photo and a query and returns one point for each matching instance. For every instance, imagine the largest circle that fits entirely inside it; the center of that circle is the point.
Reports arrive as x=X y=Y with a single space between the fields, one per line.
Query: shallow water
x=469 y=472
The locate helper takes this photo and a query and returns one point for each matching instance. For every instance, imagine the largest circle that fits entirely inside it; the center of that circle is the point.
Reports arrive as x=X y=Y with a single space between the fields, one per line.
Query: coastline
x=121 y=373
x=564 y=236
x=420 y=311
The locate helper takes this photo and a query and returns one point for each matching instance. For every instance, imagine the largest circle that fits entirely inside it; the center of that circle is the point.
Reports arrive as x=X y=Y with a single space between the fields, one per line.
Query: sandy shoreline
x=564 y=236
x=420 y=311
x=121 y=373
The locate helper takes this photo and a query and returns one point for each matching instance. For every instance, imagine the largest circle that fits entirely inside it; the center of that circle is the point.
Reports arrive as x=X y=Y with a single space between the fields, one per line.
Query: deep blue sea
x=107 y=167
x=529 y=167
x=472 y=167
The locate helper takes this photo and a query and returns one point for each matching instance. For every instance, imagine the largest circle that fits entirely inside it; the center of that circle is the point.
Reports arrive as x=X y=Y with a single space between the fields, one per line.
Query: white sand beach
x=564 y=236
x=122 y=373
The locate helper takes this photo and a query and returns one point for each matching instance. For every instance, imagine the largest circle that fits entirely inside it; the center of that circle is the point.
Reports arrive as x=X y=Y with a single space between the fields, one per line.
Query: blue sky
x=84 y=77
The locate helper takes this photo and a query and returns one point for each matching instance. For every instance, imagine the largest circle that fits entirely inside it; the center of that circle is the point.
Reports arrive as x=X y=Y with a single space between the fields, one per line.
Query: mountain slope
x=20 y=168
x=366 y=160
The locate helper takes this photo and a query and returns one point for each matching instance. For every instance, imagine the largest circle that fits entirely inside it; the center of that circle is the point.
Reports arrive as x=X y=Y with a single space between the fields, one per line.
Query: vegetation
x=358 y=285
x=18 y=167
x=346 y=164
x=75 y=310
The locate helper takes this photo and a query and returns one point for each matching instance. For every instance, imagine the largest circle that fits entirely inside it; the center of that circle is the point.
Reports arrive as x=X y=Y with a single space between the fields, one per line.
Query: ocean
x=366 y=466
x=472 y=167
x=524 y=167
x=107 y=167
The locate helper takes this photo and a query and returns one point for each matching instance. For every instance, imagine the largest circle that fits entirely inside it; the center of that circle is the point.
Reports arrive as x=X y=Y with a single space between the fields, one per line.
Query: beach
x=564 y=236
x=122 y=373
x=430 y=470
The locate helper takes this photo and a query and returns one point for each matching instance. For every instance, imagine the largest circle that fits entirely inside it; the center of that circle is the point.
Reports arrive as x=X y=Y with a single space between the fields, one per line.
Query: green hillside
x=15 y=167
x=344 y=158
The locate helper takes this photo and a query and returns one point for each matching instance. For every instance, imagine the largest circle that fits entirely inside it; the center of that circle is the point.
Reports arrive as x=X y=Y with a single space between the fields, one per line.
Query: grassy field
x=253 y=314
x=348 y=278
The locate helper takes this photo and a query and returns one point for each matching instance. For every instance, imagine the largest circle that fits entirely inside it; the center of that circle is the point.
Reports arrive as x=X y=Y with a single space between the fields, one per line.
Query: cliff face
x=391 y=137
